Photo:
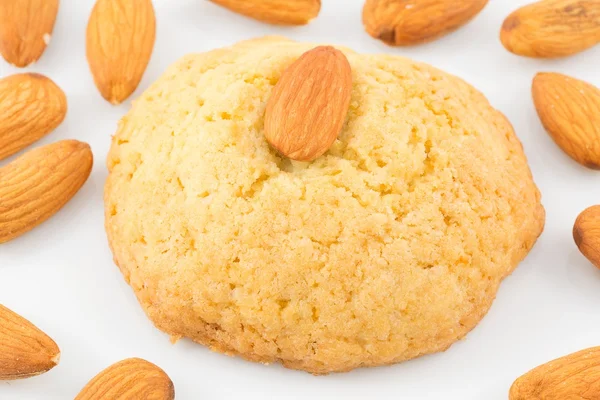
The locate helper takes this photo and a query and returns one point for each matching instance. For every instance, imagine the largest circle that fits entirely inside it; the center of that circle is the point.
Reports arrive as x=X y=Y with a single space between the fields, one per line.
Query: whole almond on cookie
x=24 y=349
x=576 y=376
x=25 y=29
x=39 y=183
x=570 y=111
x=552 y=28
x=133 y=378
x=277 y=12
x=586 y=233
x=308 y=106
x=119 y=43
x=405 y=23
x=31 y=106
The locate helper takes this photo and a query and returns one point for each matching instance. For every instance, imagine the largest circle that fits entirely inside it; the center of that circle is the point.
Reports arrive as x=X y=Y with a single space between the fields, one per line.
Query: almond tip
x=56 y=358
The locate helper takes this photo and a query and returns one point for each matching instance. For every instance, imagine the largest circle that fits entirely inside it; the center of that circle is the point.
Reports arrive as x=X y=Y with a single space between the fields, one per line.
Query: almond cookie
x=389 y=246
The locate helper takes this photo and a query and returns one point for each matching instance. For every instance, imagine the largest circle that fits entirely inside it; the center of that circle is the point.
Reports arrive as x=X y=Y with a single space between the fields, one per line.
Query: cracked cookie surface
x=390 y=246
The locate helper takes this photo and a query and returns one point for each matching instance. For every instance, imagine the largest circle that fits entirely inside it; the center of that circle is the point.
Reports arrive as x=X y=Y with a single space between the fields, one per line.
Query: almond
x=308 y=106
x=552 y=28
x=278 y=12
x=31 y=106
x=39 y=183
x=25 y=29
x=120 y=39
x=133 y=378
x=405 y=23
x=576 y=376
x=24 y=349
x=570 y=111
x=586 y=233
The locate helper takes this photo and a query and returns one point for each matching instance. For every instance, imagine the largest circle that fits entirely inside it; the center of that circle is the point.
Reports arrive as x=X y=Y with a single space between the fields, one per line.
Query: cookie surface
x=390 y=246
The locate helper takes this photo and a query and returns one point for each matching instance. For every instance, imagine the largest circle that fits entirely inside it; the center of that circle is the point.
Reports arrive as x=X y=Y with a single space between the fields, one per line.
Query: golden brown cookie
x=390 y=246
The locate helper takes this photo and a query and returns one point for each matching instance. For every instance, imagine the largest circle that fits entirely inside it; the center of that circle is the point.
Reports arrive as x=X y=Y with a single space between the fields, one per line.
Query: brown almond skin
x=276 y=12
x=402 y=23
x=575 y=376
x=31 y=106
x=309 y=104
x=25 y=28
x=132 y=378
x=570 y=111
x=586 y=233
x=25 y=350
x=552 y=28
x=119 y=43
x=39 y=183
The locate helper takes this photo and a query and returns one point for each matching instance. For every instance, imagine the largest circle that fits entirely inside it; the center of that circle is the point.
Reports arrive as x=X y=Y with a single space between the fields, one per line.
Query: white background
x=61 y=275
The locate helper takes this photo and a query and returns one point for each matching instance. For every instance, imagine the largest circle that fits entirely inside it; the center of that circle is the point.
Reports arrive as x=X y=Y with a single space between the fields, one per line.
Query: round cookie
x=390 y=246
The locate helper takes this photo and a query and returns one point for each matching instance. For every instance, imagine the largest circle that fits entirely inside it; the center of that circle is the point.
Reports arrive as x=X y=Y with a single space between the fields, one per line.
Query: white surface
x=61 y=275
